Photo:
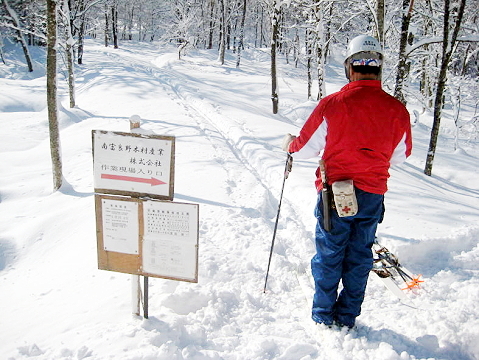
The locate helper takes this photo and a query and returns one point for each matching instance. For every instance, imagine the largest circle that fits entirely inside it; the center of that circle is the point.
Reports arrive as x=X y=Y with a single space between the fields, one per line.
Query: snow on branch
x=439 y=39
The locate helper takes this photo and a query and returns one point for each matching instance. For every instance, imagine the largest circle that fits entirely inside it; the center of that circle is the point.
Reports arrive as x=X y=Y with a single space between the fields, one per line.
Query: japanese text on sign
x=120 y=226
x=133 y=163
x=171 y=239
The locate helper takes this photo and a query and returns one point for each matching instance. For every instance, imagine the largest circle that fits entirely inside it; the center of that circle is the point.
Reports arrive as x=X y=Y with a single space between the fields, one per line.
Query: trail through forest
x=229 y=161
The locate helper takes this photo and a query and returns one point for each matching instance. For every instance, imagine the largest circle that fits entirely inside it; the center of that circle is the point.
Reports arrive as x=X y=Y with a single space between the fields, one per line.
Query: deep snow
x=56 y=304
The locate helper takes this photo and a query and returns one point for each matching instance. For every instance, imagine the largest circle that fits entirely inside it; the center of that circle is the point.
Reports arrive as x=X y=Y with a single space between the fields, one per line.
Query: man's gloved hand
x=288 y=138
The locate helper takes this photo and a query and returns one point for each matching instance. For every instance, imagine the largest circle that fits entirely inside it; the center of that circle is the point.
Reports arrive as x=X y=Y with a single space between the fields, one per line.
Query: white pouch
x=345 y=198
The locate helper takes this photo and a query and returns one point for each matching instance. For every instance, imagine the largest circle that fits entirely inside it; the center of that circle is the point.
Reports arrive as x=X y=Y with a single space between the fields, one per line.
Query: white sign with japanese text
x=170 y=242
x=133 y=164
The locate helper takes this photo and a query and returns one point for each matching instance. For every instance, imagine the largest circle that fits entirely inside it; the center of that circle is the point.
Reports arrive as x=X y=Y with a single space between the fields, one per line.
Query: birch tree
x=81 y=30
x=221 y=54
x=317 y=9
x=456 y=11
x=309 y=61
x=407 y=6
x=52 y=93
x=241 y=36
x=380 y=12
x=276 y=13
x=107 y=22
x=114 y=23
x=18 y=29
x=69 y=44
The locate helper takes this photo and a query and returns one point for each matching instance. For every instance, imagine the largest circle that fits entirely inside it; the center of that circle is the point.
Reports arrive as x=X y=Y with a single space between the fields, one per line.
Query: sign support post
x=145 y=297
x=135 y=123
x=135 y=294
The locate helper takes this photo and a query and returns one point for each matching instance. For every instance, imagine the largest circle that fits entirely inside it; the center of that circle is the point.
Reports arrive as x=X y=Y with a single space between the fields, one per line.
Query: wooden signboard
x=132 y=164
x=147 y=237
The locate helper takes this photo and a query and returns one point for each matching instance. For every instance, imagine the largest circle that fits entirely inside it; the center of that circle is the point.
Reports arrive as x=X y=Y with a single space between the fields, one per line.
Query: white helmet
x=363 y=43
x=363 y=50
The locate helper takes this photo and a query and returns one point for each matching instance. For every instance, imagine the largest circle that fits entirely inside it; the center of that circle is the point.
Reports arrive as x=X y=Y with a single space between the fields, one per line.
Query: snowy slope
x=56 y=304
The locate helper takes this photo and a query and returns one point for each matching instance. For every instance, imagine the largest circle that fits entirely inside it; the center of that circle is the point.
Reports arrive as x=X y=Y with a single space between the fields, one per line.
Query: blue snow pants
x=344 y=254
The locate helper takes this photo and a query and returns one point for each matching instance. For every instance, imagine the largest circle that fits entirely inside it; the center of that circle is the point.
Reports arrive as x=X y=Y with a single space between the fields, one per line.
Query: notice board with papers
x=147 y=237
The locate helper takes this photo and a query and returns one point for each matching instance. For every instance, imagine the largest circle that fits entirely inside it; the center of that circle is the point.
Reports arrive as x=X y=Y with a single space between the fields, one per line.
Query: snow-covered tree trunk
x=274 y=43
x=70 y=42
x=429 y=62
x=296 y=48
x=319 y=43
x=114 y=23
x=16 y=23
x=402 y=70
x=380 y=11
x=81 y=36
x=82 y=7
x=139 y=21
x=211 y=24
x=182 y=46
x=448 y=45
x=52 y=93
x=241 y=37
x=106 y=24
x=456 y=110
x=259 y=33
x=321 y=84
x=129 y=25
x=221 y=55
x=427 y=75
x=1 y=49
x=309 y=61
x=327 y=31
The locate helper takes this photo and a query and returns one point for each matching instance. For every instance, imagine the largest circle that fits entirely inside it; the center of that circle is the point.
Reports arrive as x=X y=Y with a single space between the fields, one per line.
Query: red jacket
x=362 y=130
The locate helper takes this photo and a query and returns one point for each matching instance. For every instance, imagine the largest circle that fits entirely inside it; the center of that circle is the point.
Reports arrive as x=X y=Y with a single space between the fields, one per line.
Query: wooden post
x=135 y=122
x=135 y=294
x=145 y=297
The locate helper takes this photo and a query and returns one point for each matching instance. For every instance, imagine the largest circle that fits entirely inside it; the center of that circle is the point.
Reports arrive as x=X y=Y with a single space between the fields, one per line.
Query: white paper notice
x=120 y=226
x=171 y=239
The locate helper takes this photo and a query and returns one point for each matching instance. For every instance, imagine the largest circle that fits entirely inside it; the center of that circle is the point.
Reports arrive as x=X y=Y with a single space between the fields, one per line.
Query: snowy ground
x=56 y=304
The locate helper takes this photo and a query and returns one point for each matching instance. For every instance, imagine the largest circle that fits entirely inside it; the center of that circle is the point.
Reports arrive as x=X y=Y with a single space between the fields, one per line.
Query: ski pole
x=287 y=170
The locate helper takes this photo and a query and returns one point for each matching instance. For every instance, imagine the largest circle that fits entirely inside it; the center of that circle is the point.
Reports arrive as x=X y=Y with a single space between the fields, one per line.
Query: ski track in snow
x=228 y=160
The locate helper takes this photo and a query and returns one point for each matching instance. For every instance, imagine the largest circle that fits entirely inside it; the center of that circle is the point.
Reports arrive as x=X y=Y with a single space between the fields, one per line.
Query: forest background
x=431 y=47
x=431 y=64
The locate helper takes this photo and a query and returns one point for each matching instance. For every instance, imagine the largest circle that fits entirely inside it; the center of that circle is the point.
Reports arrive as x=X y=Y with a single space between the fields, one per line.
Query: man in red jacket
x=359 y=132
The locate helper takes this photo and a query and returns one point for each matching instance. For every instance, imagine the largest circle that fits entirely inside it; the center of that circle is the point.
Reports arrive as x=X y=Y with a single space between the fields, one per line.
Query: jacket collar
x=362 y=83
